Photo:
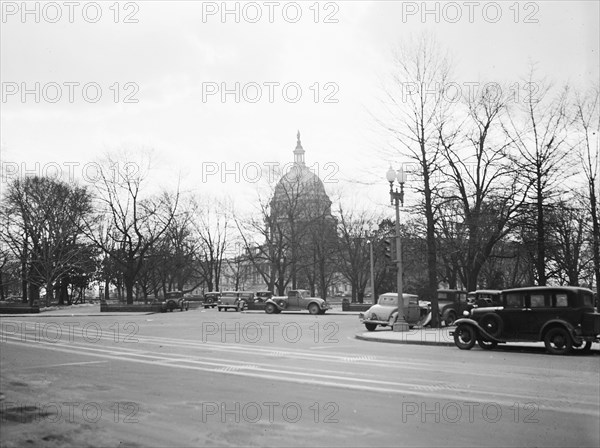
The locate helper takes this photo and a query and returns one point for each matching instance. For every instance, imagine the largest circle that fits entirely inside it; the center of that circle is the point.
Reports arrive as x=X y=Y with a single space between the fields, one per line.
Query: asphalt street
x=209 y=378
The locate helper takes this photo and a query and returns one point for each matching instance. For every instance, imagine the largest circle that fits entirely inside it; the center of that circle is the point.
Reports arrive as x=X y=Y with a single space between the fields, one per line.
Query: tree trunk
x=129 y=283
x=541 y=237
x=34 y=293
x=595 y=236
x=432 y=284
x=49 y=293
x=2 y=294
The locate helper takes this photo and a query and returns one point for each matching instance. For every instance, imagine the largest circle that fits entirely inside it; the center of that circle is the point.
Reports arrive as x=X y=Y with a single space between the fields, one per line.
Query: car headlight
x=466 y=313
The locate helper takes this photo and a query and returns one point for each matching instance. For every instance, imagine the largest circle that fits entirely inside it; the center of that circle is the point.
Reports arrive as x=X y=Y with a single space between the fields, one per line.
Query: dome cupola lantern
x=299 y=152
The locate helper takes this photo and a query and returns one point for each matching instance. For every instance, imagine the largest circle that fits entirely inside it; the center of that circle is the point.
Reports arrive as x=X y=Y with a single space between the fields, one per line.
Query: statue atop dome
x=299 y=151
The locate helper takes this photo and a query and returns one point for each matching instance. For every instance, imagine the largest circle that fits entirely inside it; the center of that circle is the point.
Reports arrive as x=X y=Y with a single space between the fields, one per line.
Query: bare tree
x=567 y=240
x=267 y=246
x=587 y=121
x=212 y=227
x=129 y=225
x=538 y=131
x=43 y=230
x=419 y=106
x=484 y=199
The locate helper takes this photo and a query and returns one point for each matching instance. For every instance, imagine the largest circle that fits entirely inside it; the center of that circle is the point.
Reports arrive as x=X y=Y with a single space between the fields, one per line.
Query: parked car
x=236 y=300
x=451 y=304
x=385 y=312
x=260 y=300
x=296 y=300
x=484 y=297
x=211 y=299
x=563 y=317
x=174 y=301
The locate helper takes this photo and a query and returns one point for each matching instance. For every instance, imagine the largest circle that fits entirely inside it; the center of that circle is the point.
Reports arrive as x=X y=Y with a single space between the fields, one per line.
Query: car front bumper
x=363 y=320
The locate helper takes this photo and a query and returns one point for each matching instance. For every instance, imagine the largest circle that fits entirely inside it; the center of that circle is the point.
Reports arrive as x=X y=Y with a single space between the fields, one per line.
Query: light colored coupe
x=385 y=312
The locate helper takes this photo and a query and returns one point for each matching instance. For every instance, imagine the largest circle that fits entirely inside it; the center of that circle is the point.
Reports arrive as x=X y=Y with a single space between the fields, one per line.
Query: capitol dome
x=301 y=189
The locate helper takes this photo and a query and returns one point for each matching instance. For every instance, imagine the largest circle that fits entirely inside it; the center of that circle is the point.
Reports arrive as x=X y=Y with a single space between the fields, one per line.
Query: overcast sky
x=154 y=79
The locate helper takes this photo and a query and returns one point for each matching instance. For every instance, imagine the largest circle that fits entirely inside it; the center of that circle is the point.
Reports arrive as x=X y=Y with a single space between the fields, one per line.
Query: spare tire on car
x=492 y=324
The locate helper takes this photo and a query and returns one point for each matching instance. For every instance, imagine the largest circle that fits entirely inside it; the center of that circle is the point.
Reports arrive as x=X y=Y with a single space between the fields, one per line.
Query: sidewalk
x=440 y=337
x=419 y=336
x=85 y=309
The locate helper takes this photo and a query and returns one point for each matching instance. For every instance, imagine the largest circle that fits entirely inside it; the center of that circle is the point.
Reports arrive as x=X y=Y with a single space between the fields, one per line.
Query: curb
x=362 y=337
x=142 y=313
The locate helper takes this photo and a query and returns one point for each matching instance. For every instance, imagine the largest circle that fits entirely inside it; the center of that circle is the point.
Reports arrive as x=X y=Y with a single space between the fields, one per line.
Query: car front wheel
x=558 y=341
x=270 y=308
x=313 y=308
x=464 y=337
x=370 y=327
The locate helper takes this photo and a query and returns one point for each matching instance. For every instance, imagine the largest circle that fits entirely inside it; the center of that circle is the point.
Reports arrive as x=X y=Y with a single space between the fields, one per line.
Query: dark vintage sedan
x=211 y=298
x=564 y=318
x=259 y=301
x=234 y=300
x=174 y=301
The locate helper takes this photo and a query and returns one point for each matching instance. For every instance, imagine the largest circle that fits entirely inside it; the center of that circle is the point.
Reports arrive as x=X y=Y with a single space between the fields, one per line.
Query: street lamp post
x=397 y=199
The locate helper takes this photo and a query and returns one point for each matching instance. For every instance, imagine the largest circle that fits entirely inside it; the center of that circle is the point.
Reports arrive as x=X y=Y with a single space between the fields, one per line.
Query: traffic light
x=389 y=245
x=388 y=248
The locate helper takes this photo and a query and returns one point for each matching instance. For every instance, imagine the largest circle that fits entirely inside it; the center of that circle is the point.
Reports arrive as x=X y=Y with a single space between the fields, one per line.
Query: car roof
x=548 y=288
x=486 y=291
x=395 y=294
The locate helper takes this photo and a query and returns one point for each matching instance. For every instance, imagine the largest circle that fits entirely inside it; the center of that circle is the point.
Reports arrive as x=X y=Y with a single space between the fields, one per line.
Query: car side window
x=539 y=300
x=514 y=301
x=588 y=299
x=561 y=300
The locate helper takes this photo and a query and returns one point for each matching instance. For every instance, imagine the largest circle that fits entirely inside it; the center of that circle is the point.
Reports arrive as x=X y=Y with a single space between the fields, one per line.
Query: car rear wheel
x=450 y=318
x=270 y=308
x=558 y=341
x=371 y=327
x=464 y=337
x=171 y=305
x=313 y=308
x=487 y=345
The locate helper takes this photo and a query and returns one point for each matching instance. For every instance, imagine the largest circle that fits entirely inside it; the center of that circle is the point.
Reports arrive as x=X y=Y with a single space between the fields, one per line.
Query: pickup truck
x=296 y=300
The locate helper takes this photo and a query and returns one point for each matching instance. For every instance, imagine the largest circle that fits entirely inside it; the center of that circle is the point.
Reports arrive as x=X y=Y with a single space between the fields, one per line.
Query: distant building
x=300 y=246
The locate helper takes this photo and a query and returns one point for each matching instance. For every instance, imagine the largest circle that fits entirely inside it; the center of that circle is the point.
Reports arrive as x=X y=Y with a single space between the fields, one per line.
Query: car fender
x=321 y=303
x=558 y=322
x=480 y=330
x=276 y=301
